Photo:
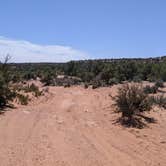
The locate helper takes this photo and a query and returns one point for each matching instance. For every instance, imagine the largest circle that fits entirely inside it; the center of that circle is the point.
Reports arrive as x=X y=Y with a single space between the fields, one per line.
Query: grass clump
x=131 y=102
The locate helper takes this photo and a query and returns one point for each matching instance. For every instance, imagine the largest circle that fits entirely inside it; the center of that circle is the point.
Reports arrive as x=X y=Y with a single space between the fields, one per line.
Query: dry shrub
x=150 y=89
x=159 y=100
x=34 y=89
x=132 y=101
x=23 y=99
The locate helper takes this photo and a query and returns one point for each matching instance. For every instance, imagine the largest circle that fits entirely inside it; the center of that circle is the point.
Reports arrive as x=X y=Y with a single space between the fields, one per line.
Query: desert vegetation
x=132 y=101
x=150 y=89
x=57 y=118
x=159 y=100
x=9 y=90
x=6 y=93
x=94 y=72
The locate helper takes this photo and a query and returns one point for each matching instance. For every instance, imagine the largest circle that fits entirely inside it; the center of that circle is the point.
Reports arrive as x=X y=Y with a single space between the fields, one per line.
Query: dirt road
x=75 y=127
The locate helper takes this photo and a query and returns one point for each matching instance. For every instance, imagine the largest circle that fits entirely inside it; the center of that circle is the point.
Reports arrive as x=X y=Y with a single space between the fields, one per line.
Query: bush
x=48 y=79
x=67 y=85
x=158 y=100
x=159 y=84
x=23 y=99
x=137 y=79
x=96 y=84
x=34 y=89
x=131 y=101
x=150 y=89
x=6 y=94
x=113 y=81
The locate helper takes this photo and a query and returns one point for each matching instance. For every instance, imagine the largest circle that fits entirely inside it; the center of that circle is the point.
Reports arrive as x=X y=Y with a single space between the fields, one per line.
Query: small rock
x=86 y=110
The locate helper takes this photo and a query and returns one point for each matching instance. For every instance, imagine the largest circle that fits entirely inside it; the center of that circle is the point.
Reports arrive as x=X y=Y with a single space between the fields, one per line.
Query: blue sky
x=61 y=30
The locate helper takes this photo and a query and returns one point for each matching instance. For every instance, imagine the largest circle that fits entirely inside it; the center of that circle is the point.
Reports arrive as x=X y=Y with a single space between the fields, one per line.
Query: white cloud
x=24 y=51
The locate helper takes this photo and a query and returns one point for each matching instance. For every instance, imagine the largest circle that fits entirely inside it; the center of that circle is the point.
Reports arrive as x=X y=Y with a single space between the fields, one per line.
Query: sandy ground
x=75 y=127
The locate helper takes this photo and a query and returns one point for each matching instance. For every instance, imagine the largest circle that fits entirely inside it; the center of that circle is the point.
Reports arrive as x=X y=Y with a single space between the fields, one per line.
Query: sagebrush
x=131 y=101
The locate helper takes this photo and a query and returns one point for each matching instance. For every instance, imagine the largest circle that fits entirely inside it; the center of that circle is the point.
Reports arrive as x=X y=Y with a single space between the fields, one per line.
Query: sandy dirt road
x=75 y=127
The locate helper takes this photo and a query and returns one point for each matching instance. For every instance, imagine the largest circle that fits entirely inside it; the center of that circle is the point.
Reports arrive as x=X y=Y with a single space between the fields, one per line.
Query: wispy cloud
x=24 y=51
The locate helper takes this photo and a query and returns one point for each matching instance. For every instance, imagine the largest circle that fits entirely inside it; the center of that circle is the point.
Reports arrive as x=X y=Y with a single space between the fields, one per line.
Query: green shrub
x=6 y=93
x=137 y=79
x=150 y=89
x=113 y=81
x=48 y=79
x=131 y=101
x=159 y=84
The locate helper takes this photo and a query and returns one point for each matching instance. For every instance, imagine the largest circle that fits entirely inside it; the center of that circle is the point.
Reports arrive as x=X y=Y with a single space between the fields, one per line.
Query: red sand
x=74 y=127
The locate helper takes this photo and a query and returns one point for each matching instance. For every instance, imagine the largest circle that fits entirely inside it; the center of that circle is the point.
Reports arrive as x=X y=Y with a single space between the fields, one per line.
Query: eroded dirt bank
x=74 y=127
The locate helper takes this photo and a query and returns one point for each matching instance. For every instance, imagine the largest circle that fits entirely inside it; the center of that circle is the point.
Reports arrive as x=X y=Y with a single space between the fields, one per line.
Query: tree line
x=102 y=72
